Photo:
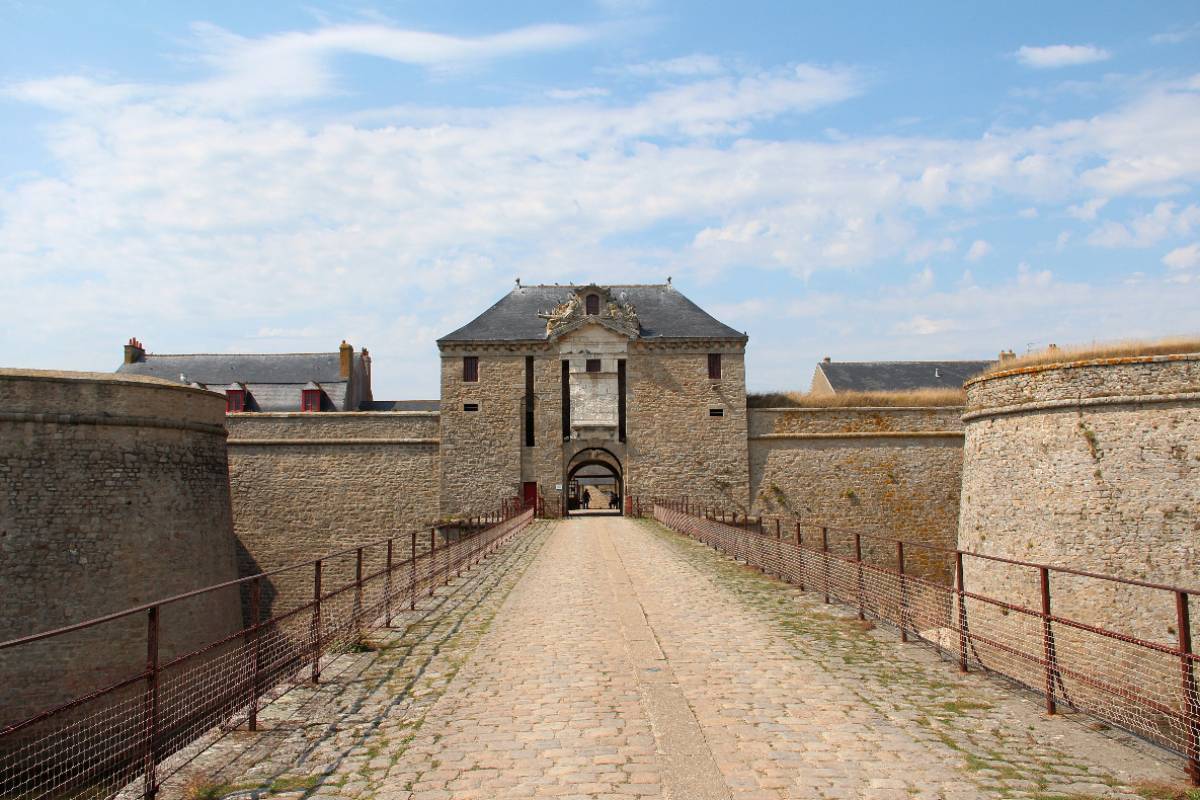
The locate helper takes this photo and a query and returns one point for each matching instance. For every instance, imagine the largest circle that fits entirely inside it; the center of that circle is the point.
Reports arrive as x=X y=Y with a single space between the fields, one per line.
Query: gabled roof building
x=839 y=377
x=336 y=381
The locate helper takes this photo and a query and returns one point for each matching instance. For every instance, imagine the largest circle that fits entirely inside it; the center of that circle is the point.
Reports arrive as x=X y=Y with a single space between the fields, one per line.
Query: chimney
x=347 y=354
x=826 y=360
x=134 y=352
x=1006 y=355
x=365 y=392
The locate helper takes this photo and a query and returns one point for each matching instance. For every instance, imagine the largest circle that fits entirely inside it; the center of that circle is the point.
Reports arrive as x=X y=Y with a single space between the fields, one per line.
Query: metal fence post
x=358 y=584
x=387 y=587
x=800 y=554
x=861 y=588
x=412 y=601
x=255 y=651
x=432 y=559
x=1188 y=676
x=903 y=591
x=316 y=622
x=962 y=612
x=825 y=558
x=1048 y=640
x=150 y=707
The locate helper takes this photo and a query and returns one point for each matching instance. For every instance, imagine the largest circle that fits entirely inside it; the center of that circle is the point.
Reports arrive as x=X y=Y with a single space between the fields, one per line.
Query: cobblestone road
x=609 y=657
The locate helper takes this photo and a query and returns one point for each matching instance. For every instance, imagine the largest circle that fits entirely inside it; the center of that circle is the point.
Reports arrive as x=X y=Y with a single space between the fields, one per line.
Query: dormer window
x=235 y=401
x=310 y=398
x=592 y=304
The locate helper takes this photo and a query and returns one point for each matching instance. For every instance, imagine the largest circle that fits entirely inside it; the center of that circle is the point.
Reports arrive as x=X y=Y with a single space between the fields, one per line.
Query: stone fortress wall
x=676 y=447
x=305 y=485
x=895 y=472
x=1093 y=465
x=114 y=491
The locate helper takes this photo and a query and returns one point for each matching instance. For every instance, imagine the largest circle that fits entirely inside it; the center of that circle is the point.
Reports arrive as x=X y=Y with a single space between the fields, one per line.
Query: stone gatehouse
x=553 y=384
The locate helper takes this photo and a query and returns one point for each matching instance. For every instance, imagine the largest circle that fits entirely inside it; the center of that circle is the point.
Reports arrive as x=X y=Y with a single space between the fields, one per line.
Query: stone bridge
x=608 y=657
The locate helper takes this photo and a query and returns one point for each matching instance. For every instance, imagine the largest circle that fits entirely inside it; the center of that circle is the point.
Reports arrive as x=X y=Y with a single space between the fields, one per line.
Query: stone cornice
x=861 y=435
x=1092 y=362
x=324 y=442
x=1082 y=402
x=106 y=420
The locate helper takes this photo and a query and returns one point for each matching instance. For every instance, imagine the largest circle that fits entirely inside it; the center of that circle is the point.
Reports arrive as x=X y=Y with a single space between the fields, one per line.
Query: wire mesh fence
x=1116 y=648
x=137 y=720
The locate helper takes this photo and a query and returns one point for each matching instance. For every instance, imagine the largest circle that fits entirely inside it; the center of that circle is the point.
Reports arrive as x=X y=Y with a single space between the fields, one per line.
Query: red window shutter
x=310 y=400
x=714 y=366
x=235 y=401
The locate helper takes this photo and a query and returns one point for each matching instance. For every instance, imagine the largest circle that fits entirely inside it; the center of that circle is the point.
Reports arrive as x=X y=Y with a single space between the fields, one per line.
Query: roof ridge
x=227 y=355
x=602 y=285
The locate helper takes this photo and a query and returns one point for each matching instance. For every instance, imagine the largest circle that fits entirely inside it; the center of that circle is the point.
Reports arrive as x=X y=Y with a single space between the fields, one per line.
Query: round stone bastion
x=1092 y=465
x=114 y=492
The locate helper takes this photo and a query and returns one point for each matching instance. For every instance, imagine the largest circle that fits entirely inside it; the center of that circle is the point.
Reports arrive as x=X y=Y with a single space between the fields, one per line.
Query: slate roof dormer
x=660 y=311
x=272 y=381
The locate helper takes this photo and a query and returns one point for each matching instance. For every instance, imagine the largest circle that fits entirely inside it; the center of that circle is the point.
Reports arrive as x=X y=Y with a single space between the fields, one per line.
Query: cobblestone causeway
x=607 y=657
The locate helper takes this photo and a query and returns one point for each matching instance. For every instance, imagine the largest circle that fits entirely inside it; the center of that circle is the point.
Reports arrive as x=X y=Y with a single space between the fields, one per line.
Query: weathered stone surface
x=1095 y=466
x=675 y=447
x=305 y=485
x=114 y=491
x=895 y=472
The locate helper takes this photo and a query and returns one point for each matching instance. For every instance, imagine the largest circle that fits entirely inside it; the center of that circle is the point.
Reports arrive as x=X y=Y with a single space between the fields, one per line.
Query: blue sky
x=858 y=180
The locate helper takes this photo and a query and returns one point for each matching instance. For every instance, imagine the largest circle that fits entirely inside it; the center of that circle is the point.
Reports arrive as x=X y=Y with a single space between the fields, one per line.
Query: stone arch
x=604 y=460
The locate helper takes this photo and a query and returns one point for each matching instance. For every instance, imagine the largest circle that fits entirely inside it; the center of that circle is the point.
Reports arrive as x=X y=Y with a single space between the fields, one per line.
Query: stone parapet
x=1091 y=465
x=114 y=492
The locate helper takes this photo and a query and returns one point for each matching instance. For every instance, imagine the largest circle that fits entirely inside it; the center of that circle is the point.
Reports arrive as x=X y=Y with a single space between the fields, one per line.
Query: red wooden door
x=530 y=493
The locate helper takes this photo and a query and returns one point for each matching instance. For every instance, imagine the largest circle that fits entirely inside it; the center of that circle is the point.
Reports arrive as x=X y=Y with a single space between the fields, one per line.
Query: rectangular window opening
x=716 y=412
x=593 y=365
x=310 y=400
x=470 y=406
x=470 y=369
x=714 y=366
x=235 y=401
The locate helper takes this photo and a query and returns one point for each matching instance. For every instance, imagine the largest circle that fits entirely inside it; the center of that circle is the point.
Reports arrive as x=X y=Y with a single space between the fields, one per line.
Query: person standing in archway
x=587 y=499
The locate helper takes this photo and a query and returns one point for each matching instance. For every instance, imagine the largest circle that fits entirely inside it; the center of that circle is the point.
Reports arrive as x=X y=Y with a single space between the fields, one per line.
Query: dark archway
x=595 y=484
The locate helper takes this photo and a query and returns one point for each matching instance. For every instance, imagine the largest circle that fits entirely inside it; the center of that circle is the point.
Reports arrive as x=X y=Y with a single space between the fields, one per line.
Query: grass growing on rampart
x=915 y=397
x=1087 y=352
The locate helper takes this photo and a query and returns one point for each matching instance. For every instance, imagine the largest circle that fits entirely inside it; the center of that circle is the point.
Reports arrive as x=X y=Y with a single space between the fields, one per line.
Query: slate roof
x=662 y=311
x=273 y=380
x=400 y=405
x=892 y=376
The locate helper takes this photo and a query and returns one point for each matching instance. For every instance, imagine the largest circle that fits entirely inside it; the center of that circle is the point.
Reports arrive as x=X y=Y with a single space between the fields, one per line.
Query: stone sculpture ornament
x=570 y=314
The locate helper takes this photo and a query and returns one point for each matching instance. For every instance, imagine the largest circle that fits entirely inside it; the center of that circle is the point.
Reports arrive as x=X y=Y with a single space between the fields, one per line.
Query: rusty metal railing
x=141 y=719
x=1117 y=648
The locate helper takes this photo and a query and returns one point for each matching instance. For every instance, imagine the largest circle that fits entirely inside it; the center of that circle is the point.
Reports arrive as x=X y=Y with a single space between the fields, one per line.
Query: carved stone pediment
x=571 y=313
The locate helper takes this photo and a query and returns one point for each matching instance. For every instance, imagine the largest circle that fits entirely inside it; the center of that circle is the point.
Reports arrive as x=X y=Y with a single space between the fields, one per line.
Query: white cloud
x=577 y=94
x=1087 y=211
x=1060 y=55
x=929 y=248
x=1183 y=258
x=697 y=64
x=1166 y=220
x=1028 y=213
x=1176 y=35
x=979 y=249
x=921 y=325
x=1027 y=276
x=294 y=66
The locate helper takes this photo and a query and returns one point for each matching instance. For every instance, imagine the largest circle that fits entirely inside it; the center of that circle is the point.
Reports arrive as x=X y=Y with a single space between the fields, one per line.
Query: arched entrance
x=594 y=484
